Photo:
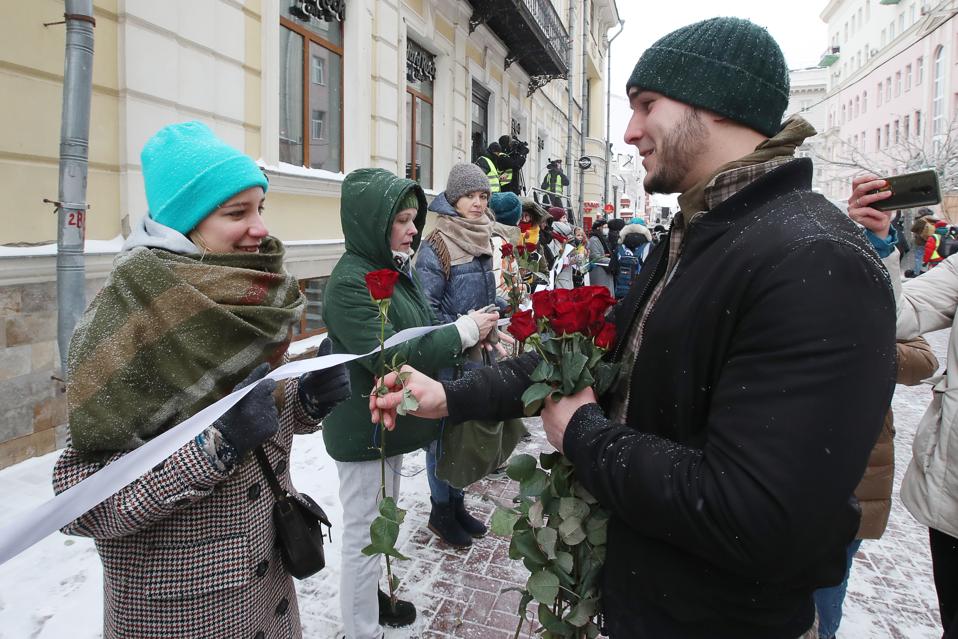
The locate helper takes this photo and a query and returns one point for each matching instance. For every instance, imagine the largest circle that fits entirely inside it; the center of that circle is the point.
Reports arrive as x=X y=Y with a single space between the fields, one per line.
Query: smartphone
x=910 y=190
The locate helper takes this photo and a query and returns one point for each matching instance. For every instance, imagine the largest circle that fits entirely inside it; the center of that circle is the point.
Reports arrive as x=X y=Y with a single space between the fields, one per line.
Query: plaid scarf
x=170 y=334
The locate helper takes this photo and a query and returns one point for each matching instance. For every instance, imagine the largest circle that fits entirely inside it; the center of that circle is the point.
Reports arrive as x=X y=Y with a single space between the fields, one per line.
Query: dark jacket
x=367 y=211
x=464 y=287
x=749 y=376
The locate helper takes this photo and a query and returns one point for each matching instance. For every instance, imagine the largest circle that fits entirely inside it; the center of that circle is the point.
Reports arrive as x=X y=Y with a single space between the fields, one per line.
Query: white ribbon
x=81 y=497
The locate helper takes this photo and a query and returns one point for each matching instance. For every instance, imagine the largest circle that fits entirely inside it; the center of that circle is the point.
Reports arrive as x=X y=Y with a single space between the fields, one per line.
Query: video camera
x=514 y=146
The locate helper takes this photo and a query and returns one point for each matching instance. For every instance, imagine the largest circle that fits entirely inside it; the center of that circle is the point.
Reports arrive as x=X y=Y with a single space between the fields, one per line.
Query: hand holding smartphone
x=909 y=190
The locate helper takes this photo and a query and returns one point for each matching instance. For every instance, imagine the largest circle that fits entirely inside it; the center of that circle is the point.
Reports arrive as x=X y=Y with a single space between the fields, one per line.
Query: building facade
x=892 y=100
x=311 y=88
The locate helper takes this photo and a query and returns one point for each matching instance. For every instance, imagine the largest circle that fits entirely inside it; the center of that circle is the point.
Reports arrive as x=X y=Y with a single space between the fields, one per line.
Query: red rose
x=521 y=325
x=595 y=301
x=531 y=247
x=542 y=303
x=525 y=226
x=506 y=249
x=380 y=283
x=568 y=318
x=606 y=337
x=521 y=249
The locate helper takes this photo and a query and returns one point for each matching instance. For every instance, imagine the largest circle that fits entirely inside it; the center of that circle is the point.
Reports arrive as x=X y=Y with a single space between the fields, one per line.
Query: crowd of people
x=743 y=452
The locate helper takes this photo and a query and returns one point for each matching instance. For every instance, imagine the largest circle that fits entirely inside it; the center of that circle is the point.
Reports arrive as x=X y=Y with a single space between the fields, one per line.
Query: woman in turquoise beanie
x=198 y=304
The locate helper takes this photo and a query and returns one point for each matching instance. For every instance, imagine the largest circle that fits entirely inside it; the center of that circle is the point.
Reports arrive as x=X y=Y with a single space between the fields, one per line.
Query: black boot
x=404 y=614
x=442 y=521
x=469 y=523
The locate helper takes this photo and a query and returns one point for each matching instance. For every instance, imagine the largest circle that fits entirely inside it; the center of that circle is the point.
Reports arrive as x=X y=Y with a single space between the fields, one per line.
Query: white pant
x=359 y=494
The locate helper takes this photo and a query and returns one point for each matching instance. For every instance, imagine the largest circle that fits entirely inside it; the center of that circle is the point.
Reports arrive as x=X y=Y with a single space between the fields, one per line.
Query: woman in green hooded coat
x=382 y=216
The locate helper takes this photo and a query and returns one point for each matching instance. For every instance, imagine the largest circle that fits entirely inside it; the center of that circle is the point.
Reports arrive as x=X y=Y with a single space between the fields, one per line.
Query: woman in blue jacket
x=456 y=274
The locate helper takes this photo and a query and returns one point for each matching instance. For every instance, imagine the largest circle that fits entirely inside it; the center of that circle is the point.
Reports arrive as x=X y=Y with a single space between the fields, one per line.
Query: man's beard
x=677 y=152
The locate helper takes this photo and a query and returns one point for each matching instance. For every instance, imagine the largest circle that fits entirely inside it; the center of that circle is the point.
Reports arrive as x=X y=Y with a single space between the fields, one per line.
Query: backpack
x=947 y=246
x=629 y=263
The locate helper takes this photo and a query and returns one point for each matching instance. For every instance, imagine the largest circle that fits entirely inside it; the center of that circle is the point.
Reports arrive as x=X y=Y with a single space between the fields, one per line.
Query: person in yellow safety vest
x=932 y=256
x=487 y=162
x=554 y=182
x=510 y=160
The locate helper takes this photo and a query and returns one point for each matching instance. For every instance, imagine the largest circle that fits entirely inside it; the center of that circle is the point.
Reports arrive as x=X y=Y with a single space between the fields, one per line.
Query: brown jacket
x=915 y=363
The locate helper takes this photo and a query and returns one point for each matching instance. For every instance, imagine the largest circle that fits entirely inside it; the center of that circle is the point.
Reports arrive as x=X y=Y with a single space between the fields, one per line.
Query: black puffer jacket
x=766 y=368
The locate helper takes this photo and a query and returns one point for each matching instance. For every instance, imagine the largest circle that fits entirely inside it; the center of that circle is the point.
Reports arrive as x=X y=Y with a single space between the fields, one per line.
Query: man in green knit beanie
x=750 y=391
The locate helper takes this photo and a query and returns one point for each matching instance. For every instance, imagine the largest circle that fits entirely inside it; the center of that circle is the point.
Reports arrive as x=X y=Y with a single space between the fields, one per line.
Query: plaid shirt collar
x=720 y=188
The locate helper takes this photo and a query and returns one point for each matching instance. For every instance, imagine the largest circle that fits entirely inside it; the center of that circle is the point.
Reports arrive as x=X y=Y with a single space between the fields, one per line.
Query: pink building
x=893 y=91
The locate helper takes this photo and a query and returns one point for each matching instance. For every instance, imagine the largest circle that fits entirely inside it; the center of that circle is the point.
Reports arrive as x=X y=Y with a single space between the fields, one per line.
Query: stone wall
x=33 y=411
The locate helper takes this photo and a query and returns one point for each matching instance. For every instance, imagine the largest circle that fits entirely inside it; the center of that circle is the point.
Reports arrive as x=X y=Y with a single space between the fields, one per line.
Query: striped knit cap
x=729 y=66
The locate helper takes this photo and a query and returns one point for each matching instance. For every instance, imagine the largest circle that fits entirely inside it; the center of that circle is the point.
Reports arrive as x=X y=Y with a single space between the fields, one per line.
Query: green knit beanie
x=729 y=66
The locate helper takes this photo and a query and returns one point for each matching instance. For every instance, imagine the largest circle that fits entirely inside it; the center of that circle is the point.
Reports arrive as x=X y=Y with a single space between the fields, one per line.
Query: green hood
x=369 y=201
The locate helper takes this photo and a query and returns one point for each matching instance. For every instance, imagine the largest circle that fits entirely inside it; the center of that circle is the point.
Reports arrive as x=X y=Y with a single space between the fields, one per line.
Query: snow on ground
x=53 y=590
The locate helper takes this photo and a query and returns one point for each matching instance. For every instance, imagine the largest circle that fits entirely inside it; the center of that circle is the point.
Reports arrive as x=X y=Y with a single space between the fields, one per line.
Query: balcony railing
x=530 y=29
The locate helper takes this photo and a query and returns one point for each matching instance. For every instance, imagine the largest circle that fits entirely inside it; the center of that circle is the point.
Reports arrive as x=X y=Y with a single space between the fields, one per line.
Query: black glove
x=254 y=419
x=320 y=391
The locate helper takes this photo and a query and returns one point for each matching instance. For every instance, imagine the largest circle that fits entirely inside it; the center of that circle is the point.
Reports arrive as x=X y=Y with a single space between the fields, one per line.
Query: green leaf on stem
x=572 y=507
x=527 y=548
x=605 y=374
x=409 y=403
x=389 y=510
x=394 y=582
x=547 y=538
x=543 y=372
x=564 y=561
x=533 y=396
x=503 y=521
x=581 y=613
x=553 y=624
x=573 y=363
x=570 y=530
x=534 y=485
x=597 y=530
x=548 y=460
x=537 y=514
x=585 y=380
x=543 y=585
x=521 y=467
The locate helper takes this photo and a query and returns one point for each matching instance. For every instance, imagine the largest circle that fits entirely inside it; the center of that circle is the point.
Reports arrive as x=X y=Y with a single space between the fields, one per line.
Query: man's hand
x=859 y=204
x=428 y=392
x=556 y=415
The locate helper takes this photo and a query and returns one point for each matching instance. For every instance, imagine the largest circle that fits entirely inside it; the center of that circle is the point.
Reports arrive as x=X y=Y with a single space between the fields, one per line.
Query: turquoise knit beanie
x=729 y=66
x=188 y=172
x=507 y=207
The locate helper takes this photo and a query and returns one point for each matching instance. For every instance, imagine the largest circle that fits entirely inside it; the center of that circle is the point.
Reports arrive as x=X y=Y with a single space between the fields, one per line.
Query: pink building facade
x=893 y=91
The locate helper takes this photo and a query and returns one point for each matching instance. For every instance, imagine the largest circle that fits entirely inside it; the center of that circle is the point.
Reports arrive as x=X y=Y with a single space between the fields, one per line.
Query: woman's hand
x=485 y=321
x=859 y=204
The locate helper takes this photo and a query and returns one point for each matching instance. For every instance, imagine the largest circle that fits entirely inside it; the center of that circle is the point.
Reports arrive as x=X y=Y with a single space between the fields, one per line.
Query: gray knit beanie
x=465 y=178
x=729 y=66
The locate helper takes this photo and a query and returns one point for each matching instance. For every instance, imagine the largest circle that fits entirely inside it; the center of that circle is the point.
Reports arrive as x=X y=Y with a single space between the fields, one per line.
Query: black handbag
x=299 y=525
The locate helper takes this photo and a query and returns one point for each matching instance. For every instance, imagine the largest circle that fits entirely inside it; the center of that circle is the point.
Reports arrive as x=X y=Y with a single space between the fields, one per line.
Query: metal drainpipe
x=585 y=110
x=608 y=110
x=569 y=80
x=74 y=151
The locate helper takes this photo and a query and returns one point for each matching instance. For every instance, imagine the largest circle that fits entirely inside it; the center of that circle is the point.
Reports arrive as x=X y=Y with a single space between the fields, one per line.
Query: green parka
x=369 y=201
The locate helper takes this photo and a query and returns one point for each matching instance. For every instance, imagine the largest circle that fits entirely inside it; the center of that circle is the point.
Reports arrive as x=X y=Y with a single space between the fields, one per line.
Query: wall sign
x=324 y=10
x=420 y=64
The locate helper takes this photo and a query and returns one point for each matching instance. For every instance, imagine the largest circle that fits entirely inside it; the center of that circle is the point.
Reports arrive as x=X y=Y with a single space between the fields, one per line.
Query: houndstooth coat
x=188 y=551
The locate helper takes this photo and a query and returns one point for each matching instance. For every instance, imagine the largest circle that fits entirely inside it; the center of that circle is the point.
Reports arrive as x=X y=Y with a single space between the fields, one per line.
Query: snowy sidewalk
x=54 y=589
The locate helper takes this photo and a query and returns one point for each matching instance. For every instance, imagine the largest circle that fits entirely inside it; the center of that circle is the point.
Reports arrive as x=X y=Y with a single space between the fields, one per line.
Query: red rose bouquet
x=572 y=338
x=558 y=529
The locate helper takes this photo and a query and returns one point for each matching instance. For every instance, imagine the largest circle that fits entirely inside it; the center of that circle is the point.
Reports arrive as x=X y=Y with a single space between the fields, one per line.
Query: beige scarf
x=461 y=239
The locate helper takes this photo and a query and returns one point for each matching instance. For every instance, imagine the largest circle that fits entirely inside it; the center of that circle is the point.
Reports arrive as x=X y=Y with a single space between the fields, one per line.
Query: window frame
x=311 y=36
